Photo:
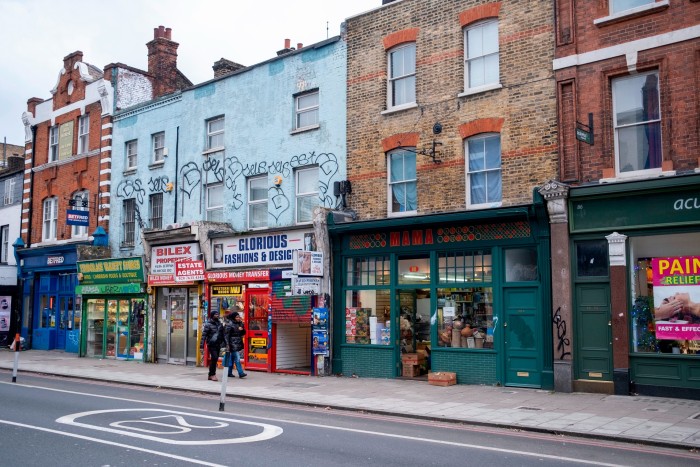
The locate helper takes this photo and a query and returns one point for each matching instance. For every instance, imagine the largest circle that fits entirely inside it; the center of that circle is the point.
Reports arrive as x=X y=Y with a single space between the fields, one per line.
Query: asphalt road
x=58 y=421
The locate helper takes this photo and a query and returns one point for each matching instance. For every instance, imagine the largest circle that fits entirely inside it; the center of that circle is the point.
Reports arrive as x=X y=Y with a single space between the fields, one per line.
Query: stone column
x=618 y=309
x=556 y=195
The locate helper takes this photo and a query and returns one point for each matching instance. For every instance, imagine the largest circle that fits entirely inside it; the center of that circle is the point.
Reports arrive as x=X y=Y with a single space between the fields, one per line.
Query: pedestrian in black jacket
x=233 y=336
x=213 y=335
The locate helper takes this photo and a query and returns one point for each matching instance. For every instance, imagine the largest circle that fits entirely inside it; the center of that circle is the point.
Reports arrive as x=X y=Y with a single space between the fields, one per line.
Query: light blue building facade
x=230 y=172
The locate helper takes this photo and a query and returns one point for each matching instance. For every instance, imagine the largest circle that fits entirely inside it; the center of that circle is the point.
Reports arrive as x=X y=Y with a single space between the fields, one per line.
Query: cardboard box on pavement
x=442 y=378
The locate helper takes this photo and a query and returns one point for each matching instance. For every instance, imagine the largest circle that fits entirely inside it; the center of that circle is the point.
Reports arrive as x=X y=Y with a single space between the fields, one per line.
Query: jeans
x=235 y=359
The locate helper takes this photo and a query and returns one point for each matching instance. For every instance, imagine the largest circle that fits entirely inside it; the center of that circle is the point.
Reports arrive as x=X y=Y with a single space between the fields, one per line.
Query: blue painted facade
x=258 y=107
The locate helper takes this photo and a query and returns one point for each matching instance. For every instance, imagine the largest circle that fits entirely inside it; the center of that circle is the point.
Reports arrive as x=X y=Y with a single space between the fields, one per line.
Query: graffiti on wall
x=128 y=189
x=158 y=184
x=564 y=341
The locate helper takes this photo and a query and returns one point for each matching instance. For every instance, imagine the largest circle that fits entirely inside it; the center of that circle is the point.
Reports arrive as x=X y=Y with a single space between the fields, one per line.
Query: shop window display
x=367 y=317
x=465 y=317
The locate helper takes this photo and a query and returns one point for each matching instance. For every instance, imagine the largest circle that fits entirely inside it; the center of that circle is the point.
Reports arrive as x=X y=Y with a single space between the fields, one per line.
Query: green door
x=523 y=337
x=593 y=342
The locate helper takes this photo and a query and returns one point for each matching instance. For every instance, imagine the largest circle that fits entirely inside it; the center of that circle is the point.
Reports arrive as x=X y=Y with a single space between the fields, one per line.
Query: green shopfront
x=636 y=285
x=114 y=308
x=461 y=292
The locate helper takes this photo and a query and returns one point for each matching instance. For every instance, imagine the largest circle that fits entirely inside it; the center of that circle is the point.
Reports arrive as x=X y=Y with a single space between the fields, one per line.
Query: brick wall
x=471 y=367
x=526 y=102
x=366 y=362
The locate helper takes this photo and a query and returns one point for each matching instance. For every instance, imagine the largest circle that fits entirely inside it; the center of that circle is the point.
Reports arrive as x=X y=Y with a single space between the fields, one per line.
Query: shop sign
x=237 y=276
x=260 y=250
x=306 y=285
x=676 y=287
x=54 y=260
x=308 y=263
x=65 y=140
x=163 y=258
x=108 y=289
x=111 y=270
x=5 y=309
x=189 y=271
x=226 y=290
x=648 y=209
x=165 y=279
x=75 y=217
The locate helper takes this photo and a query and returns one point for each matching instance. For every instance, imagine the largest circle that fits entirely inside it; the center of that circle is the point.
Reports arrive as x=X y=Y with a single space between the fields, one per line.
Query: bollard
x=224 y=379
x=16 y=346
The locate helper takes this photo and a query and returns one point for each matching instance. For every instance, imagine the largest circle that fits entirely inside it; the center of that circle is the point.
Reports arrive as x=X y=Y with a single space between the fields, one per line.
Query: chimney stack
x=299 y=45
x=287 y=47
x=223 y=67
x=162 y=61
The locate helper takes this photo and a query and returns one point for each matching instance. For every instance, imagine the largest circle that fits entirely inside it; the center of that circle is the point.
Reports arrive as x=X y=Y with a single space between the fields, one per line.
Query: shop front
x=465 y=293
x=51 y=315
x=113 y=301
x=176 y=303
x=636 y=271
x=277 y=321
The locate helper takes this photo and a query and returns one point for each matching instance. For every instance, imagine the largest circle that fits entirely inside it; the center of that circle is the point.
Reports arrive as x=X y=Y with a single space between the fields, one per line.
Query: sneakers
x=213 y=378
x=230 y=375
x=243 y=375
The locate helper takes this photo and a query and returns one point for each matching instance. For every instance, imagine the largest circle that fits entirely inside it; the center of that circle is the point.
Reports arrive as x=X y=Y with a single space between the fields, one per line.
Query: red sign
x=238 y=276
x=189 y=271
x=165 y=279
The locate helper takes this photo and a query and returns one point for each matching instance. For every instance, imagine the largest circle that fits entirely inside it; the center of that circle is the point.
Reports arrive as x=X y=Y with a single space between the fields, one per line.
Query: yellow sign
x=524 y=374
x=260 y=341
x=219 y=290
x=65 y=140
x=595 y=375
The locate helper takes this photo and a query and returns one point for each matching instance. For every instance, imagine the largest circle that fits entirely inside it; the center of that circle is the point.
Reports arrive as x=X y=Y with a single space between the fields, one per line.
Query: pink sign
x=677 y=331
x=676 y=297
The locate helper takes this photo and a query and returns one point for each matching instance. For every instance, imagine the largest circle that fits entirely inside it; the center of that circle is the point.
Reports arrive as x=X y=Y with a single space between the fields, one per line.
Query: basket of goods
x=467 y=331
x=446 y=336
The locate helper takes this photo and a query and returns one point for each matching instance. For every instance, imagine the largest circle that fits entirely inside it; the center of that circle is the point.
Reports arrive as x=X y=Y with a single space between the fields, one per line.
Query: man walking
x=213 y=335
x=233 y=336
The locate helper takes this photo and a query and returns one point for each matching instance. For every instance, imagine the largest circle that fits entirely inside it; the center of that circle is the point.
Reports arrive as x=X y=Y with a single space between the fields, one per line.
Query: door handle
x=609 y=323
x=505 y=325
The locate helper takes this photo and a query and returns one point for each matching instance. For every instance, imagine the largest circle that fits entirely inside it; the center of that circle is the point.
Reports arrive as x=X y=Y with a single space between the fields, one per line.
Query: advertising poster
x=320 y=342
x=306 y=285
x=5 y=302
x=676 y=282
x=308 y=263
x=320 y=319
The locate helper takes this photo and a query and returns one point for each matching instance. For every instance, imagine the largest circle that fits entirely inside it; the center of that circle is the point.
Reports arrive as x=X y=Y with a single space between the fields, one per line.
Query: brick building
x=451 y=125
x=68 y=154
x=627 y=89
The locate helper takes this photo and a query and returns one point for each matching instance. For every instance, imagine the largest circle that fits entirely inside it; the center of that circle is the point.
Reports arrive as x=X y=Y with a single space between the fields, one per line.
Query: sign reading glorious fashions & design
x=111 y=271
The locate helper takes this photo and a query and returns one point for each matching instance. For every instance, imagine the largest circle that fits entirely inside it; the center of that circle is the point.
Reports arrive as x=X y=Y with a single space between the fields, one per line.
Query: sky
x=35 y=35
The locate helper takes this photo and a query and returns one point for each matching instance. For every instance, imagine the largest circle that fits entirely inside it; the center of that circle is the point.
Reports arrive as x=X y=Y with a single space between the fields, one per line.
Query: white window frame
x=4 y=244
x=132 y=154
x=300 y=111
x=50 y=219
x=158 y=145
x=213 y=210
x=256 y=202
x=215 y=135
x=403 y=181
x=9 y=198
x=622 y=7
x=81 y=203
x=53 y=143
x=618 y=165
x=488 y=171
x=300 y=196
x=392 y=80
x=479 y=28
x=155 y=211
x=84 y=134
x=128 y=222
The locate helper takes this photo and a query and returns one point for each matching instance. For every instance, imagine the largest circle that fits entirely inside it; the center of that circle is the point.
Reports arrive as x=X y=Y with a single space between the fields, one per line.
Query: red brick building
x=627 y=74
x=66 y=194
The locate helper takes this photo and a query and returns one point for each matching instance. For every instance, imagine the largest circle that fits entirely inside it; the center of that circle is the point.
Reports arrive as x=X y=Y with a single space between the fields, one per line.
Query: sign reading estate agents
x=676 y=282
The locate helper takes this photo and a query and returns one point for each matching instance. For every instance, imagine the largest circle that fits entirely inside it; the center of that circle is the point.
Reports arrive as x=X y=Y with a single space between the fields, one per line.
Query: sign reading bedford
x=107 y=271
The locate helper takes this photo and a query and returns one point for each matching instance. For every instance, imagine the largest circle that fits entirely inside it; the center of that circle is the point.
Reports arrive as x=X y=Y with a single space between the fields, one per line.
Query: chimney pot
x=168 y=32
x=299 y=45
x=287 y=43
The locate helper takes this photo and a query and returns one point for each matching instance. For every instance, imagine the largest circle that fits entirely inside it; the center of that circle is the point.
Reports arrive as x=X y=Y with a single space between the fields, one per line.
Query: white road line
x=353 y=430
x=110 y=443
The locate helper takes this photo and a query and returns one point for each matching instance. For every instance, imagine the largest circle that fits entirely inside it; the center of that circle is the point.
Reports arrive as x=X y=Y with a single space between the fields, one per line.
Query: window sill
x=126 y=247
x=642 y=176
x=403 y=214
x=480 y=89
x=305 y=129
x=475 y=207
x=156 y=165
x=399 y=108
x=129 y=172
x=212 y=150
x=632 y=13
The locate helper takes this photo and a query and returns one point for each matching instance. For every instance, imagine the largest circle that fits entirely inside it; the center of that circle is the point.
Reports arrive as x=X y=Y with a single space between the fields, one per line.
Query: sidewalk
x=649 y=420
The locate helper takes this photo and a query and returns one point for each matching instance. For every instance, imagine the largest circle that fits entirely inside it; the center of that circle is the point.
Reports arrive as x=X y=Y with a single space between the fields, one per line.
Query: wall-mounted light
x=277 y=180
x=342 y=188
x=169 y=187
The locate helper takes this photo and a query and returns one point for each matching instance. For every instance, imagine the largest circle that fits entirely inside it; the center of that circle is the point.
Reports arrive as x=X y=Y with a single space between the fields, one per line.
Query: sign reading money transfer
x=676 y=282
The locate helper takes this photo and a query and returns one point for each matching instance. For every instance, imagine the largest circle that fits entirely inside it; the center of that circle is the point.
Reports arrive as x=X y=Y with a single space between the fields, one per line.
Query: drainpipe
x=31 y=191
x=177 y=153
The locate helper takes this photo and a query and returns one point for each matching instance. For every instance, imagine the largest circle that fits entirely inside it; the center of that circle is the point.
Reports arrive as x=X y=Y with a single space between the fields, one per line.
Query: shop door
x=256 y=349
x=593 y=342
x=65 y=319
x=522 y=337
x=177 y=309
x=95 y=311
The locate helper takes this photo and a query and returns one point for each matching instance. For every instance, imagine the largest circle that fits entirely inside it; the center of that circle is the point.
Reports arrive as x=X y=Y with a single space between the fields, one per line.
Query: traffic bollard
x=16 y=346
x=224 y=379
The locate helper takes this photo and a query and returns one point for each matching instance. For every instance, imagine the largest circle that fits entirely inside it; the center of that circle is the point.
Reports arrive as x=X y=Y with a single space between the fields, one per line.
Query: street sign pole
x=224 y=379
x=16 y=345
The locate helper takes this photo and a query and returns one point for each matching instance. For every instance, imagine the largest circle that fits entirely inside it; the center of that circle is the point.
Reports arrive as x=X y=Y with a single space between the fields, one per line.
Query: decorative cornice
x=616 y=249
x=555 y=194
x=153 y=105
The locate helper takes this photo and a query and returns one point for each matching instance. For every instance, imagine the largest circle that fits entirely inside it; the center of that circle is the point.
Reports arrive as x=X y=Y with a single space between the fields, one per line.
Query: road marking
x=111 y=443
x=268 y=431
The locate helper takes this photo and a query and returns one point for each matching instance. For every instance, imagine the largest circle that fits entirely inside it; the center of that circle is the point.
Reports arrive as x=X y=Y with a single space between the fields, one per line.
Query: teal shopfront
x=462 y=292
x=637 y=313
x=114 y=309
